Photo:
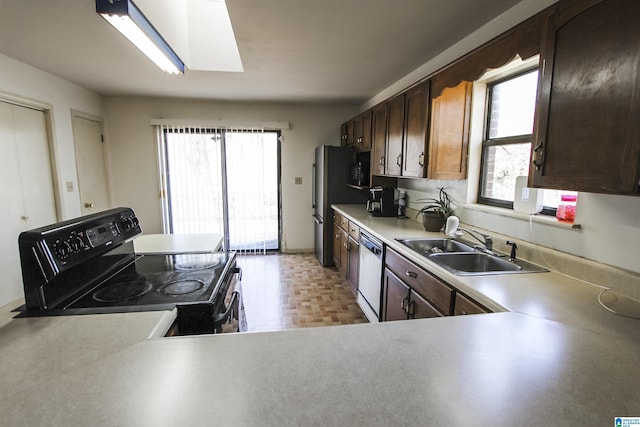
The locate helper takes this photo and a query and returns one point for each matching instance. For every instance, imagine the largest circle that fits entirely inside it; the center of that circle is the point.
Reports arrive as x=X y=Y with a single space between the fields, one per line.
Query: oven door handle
x=221 y=318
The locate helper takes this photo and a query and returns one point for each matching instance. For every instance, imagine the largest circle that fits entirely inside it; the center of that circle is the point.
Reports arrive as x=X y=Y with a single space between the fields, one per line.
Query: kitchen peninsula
x=548 y=355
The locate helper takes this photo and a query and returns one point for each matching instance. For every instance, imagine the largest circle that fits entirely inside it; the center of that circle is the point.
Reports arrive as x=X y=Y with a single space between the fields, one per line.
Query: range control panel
x=102 y=233
x=67 y=243
x=48 y=253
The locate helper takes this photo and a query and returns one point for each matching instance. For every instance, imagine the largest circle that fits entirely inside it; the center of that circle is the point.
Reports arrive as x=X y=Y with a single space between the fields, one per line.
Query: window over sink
x=506 y=144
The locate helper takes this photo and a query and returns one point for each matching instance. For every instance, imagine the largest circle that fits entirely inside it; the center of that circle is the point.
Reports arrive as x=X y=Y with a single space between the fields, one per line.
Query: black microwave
x=359 y=174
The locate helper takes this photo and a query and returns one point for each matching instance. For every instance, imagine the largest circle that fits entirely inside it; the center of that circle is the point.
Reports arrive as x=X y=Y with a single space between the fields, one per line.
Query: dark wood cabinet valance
x=522 y=40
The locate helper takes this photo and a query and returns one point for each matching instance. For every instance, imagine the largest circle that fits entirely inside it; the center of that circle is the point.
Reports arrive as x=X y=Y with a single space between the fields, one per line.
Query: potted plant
x=436 y=212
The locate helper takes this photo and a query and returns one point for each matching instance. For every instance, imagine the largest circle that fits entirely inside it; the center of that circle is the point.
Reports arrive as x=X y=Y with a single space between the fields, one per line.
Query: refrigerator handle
x=317 y=219
x=313 y=186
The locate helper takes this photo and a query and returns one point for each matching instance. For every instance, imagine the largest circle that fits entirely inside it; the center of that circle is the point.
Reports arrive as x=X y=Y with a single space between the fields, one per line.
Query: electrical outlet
x=298 y=180
x=69 y=186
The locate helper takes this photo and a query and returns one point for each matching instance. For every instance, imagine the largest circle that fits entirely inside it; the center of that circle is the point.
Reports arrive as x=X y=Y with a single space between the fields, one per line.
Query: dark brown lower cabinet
x=395 y=297
x=412 y=293
x=402 y=302
x=353 y=253
x=338 y=247
x=346 y=249
x=465 y=305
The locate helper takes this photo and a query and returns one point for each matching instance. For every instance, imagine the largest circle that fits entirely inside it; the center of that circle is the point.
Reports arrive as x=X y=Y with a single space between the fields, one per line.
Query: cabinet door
x=587 y=133
x=379 y=139
x=395 y=132
x=396 y=297
x=419 y=308
x=347 y=135
x=344 y=253
x=466 y=305
x=353 y=250
x=363 y=132
x=343 y=134
x=450 y=115
x=337 y=246
x=365 y=136
x=415 y=135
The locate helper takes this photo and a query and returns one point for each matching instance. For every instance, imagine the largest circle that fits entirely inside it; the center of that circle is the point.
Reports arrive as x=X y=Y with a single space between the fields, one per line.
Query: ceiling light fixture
x=125 y=16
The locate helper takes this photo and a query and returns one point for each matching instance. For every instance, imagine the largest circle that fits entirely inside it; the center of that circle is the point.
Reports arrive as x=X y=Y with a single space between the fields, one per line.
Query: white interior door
x=92 y=177
x=27 y=188
x=32 y=145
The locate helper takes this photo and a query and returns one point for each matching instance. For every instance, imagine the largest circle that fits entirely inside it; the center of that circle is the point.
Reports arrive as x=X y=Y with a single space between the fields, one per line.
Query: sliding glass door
x=223 y=181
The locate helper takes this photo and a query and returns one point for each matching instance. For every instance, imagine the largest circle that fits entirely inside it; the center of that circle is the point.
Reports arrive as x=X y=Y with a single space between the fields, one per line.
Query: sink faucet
x=485 y=239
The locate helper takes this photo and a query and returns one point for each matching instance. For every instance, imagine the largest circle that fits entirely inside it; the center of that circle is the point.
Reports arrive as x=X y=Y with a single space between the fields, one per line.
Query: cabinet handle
x=411 y=309
x=421 y=159
x=537 y=148
x=411 y=274
x=382 y=161
x=464 y=313
x=399 y=160
x=24 y=217
x=403 y=304
x=337 y=236
x=347 y=246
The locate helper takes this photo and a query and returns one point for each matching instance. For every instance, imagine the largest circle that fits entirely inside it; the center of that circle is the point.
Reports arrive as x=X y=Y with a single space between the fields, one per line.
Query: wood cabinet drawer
x=340 y=221
x=354 y=231
x=429 y=287
x=465 y=305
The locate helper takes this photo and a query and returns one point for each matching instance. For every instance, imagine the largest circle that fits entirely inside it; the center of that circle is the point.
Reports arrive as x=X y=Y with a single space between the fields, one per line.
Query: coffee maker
x=381 y=202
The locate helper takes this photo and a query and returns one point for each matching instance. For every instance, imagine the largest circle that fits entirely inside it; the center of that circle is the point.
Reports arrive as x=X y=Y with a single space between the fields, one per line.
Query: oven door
x=224 y=314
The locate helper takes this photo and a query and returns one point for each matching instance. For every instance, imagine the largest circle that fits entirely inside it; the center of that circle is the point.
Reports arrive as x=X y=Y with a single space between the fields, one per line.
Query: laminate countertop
x=555 y=360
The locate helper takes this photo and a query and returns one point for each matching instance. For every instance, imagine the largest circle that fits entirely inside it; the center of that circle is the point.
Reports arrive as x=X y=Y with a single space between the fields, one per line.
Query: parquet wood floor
x=284 y=291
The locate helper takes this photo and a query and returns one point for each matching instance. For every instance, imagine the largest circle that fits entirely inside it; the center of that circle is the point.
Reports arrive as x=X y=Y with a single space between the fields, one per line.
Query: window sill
x=537 y=218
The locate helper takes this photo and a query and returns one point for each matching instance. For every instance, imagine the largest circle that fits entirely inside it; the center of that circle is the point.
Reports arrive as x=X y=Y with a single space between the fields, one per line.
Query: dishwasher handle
x=373 y=245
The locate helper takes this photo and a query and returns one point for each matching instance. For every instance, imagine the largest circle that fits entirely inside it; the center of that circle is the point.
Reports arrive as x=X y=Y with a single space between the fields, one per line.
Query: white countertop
x=176 y=243
x=558 y=359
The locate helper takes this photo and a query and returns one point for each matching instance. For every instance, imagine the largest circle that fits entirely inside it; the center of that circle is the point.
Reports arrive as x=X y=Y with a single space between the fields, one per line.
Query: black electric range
x=88 y=266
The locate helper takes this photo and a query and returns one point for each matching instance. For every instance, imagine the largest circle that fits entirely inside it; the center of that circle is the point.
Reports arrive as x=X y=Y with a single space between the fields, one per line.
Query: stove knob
x=135 y=221
x=62 y=249
x=127 y=223
x=76 y=244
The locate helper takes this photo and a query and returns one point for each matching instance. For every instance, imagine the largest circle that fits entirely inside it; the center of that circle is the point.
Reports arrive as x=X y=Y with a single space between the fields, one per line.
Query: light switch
x=298 y=180
x=69 y=186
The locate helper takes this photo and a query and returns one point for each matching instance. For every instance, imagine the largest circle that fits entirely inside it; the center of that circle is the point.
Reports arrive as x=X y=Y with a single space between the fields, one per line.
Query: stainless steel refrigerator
x=330 y=178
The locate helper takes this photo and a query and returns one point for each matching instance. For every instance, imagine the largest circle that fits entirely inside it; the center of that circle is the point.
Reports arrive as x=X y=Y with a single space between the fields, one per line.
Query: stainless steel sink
x=477 y=263
x=430 y=246
x=464 y=260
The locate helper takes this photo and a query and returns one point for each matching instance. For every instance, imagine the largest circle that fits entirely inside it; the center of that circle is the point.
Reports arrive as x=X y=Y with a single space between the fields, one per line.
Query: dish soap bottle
x=567 y=208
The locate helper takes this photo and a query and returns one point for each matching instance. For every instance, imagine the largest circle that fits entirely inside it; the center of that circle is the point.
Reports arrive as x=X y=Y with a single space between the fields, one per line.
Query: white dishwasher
x=370 y=277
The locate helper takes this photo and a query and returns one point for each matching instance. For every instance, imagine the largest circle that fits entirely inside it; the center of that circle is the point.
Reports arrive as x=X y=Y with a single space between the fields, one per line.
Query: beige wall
x=131 y=149
x=24 y=83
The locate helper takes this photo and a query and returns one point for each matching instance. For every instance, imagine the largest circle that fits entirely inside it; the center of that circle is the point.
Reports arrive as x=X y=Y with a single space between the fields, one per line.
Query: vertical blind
x=221 y=180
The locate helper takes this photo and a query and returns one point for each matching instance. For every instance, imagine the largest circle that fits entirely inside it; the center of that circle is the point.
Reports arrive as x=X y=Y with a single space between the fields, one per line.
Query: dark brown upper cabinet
x=379 y=138
x=347 y=132
x=395 y=134
x=416 y=107
x=587 y=125
x=406 y=133
x=362 y=132
x=448 y=146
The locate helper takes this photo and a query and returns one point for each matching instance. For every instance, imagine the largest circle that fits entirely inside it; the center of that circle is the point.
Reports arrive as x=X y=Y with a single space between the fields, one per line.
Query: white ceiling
x=291 y=50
